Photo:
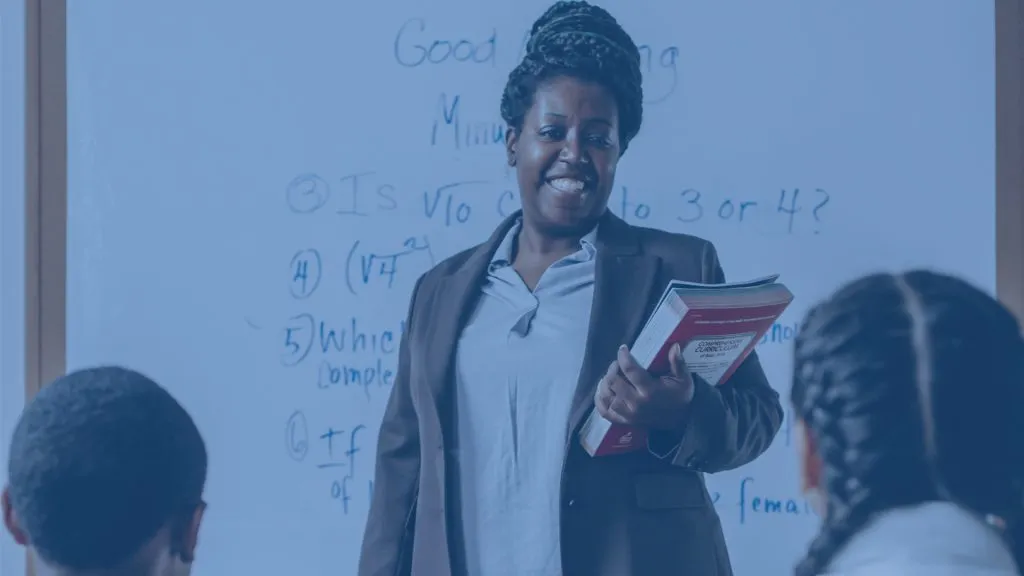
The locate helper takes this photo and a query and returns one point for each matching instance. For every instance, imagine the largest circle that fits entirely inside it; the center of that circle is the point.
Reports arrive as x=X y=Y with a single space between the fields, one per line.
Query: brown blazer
x=627 y=515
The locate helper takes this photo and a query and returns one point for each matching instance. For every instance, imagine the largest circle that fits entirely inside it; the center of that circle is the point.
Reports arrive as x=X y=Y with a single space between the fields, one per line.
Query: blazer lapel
x=451 y=306
x=623 y=298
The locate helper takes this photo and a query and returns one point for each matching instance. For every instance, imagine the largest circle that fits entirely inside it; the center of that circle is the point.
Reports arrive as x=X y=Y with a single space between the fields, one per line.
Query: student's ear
x=11 y=519
x=189 y=537
x=810 y=464
x=811 y=470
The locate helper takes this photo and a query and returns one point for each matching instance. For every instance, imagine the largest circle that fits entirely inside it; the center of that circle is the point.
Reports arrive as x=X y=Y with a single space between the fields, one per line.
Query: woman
x=908 y=389
x=510 y=344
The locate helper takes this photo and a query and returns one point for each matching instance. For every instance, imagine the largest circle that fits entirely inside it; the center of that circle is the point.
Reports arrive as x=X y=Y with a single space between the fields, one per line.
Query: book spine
x=648 y=346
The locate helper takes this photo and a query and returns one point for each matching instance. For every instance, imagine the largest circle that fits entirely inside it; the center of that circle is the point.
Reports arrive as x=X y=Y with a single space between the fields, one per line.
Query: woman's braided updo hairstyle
x=583 y=41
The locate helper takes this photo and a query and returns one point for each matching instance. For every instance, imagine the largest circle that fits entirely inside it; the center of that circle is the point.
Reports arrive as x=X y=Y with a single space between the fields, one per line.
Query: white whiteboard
x=212 y=152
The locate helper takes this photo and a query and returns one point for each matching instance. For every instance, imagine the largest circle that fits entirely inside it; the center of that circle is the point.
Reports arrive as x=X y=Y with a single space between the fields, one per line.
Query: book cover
x=717 y=326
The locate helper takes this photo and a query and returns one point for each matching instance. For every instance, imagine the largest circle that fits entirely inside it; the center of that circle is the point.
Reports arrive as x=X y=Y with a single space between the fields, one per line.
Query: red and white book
x=716 y=325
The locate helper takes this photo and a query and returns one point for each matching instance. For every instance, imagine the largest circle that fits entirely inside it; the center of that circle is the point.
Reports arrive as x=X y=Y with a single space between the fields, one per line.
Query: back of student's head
x=106 y=474
x=910 y=386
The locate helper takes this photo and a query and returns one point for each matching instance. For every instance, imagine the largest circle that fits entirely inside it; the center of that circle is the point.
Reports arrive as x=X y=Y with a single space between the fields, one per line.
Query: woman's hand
x=629 y=394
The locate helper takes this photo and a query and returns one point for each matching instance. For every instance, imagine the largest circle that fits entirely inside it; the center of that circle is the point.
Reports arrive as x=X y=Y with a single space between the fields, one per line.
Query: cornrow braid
x=975 y=339
x=853 y=470
x=575 y=38
x=872 y=374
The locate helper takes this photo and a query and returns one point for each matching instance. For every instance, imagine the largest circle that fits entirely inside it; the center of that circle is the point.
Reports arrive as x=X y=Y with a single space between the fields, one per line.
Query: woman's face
x=565 y=155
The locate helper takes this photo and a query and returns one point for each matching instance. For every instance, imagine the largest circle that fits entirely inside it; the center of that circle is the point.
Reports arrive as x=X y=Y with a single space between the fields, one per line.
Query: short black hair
x=909 y=385
x=100 y=461
x=584 y=41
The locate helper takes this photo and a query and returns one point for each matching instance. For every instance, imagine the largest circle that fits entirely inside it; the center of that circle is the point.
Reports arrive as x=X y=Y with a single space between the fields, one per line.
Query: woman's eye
x=551 y=132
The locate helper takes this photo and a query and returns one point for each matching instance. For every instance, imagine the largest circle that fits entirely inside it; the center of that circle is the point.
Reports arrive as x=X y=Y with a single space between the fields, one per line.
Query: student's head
x=572 y=106
x=106 y=477
x=908 y=389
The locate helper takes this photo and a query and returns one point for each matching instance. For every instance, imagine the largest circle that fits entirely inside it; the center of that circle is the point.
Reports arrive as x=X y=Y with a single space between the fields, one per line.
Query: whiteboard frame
x=45 y=195
x=46 y=180
x=1010 y=154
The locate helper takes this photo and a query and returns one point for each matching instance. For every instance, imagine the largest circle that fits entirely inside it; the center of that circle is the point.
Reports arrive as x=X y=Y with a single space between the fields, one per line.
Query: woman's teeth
x=566 y=184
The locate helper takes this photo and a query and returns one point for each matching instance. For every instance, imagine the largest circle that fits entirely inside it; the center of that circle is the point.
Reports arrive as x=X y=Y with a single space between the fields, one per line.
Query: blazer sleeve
x=731 y=424
x=387 y=540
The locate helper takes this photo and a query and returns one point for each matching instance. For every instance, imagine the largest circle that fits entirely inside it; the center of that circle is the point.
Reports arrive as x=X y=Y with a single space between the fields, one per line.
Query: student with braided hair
x=509 y=346
x=908 y=390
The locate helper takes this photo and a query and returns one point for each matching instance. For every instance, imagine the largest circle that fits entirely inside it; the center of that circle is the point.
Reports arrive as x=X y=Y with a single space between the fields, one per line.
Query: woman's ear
x=511 y=139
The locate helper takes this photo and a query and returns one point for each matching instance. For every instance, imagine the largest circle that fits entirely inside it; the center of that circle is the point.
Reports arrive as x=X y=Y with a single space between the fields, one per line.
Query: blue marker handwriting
x=342 y=450
x=783 y=210
x=451 y=203
x=780 y=333
x=377 y=371
x=450 y=129
x=416 y=44
x=744 y=502
x=773 y=210
x=306 y=269
x=661 y=75
x=336 y=451
x=363 y=267
x=296 y=436
x=304 y=334
x=356 y=194
x=420 y=43
x=379 y=268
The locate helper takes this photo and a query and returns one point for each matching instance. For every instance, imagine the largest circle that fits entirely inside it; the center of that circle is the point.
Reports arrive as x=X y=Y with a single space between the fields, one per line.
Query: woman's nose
x=571 y=151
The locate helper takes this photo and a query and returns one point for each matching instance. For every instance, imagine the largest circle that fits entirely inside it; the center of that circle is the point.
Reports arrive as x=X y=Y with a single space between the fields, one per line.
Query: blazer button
x=572 y=502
